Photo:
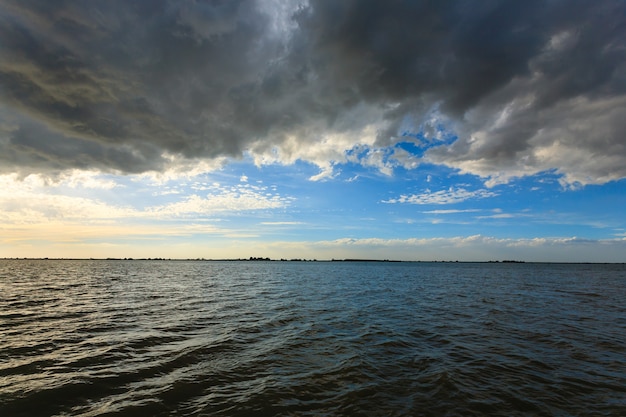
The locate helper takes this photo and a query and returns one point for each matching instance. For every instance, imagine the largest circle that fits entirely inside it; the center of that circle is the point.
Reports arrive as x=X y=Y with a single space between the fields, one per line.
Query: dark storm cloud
x=118 y=85
x=399 y=49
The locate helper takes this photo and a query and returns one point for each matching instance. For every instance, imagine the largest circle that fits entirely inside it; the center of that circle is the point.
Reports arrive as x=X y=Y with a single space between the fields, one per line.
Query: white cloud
x=450 y=211
x=241 y=197
x=87 y=179
x=327 y=146
x=378 y=158
x=34 y=200
x=281 y=223
x=501 y=216
x=450 y=196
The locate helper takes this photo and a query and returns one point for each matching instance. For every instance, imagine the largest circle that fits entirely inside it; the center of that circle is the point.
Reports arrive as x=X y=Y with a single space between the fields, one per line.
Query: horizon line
x=265 y=259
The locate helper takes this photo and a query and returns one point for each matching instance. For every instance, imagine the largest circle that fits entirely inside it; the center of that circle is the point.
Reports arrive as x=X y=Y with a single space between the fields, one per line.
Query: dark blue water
x=161 y=338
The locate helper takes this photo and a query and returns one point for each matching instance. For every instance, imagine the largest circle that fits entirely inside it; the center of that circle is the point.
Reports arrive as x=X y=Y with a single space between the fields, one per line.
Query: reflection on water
x=319 y=338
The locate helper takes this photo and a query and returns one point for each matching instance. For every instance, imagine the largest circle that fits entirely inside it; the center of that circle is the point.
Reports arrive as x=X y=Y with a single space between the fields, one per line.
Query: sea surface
x=230 y=338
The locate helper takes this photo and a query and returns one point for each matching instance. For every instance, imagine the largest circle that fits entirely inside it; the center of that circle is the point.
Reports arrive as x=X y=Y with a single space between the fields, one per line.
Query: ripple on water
x=287 y=338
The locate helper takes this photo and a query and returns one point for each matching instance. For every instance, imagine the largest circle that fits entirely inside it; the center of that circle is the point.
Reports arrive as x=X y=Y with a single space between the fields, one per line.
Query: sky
x=405 y=130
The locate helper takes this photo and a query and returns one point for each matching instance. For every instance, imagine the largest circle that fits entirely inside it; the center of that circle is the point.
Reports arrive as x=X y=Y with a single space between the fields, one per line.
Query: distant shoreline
x=346 y=260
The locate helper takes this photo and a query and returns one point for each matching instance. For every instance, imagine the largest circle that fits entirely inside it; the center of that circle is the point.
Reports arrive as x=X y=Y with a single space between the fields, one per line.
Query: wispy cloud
x=281 y=223
x=244 y=197
x=449 y=196
x=502 y=216
x=451 y=211
x=34 y=201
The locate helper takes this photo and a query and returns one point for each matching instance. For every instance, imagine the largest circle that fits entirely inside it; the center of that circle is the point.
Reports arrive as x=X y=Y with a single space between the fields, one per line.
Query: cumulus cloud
x=497 y=89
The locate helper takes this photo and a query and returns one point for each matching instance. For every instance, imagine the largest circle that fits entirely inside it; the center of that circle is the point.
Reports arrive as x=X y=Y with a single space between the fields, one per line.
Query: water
x=161 y=338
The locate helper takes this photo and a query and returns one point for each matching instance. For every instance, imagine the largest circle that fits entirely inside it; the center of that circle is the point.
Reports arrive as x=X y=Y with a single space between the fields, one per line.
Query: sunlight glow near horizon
x=233 y=215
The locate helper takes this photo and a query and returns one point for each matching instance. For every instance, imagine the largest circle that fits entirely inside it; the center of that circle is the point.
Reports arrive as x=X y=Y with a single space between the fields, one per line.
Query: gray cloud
x=125 y=86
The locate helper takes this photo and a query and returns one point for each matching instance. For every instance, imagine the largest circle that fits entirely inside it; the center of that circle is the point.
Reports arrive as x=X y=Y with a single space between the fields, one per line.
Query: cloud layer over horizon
x=496 y=89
